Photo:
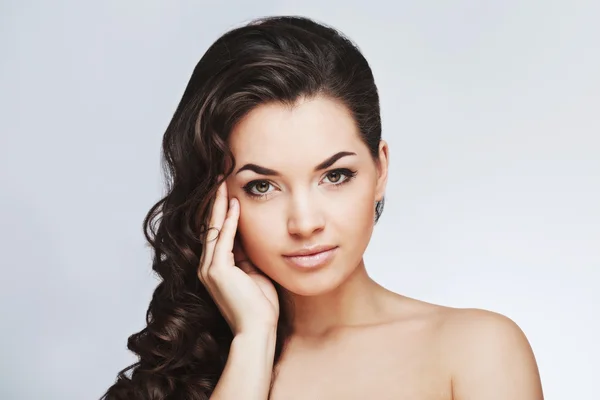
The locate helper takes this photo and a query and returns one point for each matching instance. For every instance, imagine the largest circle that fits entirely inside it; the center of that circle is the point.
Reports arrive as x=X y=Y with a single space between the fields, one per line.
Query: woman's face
x=305 y=182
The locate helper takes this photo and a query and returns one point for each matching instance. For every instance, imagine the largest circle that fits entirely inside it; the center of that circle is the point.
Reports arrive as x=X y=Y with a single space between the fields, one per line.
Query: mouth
x=312 y=258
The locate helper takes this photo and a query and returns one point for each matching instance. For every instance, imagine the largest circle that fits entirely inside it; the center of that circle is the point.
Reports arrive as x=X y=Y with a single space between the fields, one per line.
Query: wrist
x=257 y=345
x=258 y=332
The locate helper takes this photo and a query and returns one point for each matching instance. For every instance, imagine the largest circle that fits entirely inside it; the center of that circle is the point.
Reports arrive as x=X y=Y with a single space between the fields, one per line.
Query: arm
x=247 y=373
x=493 y=359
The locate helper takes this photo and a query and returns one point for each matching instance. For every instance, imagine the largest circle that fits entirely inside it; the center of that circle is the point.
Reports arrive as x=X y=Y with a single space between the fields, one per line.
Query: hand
x=246 y=298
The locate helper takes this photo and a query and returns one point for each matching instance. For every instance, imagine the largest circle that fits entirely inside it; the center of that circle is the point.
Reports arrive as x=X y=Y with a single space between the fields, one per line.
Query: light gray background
x=491 y=109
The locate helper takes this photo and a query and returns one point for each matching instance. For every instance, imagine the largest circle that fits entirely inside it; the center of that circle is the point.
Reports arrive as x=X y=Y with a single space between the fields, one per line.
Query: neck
x=358 y=301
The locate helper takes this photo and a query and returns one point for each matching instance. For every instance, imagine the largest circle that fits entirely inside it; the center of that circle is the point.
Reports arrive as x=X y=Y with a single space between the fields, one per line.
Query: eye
x=262 y=187
x=334 y=176
x=258 y=188
x=339 y=176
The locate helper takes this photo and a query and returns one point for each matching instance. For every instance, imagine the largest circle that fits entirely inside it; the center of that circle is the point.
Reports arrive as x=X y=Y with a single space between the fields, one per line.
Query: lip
x=314 y=257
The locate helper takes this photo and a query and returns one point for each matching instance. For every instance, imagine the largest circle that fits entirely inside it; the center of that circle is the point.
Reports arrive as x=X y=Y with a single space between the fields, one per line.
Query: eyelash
x=347 y=173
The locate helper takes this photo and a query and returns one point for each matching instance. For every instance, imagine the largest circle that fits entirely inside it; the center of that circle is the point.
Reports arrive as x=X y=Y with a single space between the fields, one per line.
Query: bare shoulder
x=490 y=356
x=486 y=355
x=465 y=325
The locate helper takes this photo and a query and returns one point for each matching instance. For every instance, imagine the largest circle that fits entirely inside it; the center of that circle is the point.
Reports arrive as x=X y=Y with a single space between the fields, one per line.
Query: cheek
x=355 y=212
x=258 y=232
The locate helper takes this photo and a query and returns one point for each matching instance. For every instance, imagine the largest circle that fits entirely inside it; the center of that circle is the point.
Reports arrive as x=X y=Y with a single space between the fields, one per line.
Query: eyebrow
x=271 y=172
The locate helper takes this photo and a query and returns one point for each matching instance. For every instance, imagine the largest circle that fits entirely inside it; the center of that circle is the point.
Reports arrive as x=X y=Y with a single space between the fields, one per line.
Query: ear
x=382 y=170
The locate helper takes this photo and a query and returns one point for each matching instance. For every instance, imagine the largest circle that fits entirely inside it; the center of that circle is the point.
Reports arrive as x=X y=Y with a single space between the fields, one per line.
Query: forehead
x=274 y=134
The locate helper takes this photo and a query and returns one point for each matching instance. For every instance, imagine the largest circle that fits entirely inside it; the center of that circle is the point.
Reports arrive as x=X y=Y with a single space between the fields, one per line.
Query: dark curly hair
x=183 y=349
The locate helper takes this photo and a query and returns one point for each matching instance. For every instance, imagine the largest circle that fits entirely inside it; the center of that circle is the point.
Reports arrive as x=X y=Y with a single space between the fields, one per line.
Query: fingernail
x=232 y=203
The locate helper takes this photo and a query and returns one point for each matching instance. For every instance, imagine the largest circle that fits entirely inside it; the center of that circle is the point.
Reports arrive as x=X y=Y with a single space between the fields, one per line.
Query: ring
x=212 y=228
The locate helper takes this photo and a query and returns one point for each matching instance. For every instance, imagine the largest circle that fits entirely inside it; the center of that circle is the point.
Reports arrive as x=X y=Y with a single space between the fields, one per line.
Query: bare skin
x=352 y=338
x=416 y=351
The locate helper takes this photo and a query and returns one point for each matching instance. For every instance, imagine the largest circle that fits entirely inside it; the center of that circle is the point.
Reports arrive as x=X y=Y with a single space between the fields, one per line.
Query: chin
x=308 y=290
x=314 y=283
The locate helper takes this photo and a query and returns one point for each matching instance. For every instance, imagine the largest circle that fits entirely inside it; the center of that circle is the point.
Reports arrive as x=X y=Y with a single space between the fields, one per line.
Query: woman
x=276 y=175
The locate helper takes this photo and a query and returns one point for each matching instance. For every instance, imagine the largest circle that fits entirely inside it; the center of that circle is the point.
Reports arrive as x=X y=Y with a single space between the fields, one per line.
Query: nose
x=305 y=217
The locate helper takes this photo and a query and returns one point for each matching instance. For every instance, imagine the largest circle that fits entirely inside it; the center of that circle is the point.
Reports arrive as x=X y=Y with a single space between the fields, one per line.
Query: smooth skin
x=353 y=338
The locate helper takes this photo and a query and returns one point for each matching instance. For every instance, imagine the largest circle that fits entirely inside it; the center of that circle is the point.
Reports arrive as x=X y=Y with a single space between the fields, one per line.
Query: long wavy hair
x=183 y=349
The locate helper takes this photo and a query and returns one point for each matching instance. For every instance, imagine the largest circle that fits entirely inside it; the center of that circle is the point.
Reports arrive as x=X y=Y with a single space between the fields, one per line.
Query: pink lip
x=310 y=251
x=312 y=258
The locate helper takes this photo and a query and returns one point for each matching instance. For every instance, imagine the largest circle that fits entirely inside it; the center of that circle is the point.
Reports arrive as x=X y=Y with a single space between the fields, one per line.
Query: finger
x=215 y=226
x=204 y=233
x=238 y=251
x=241 y=258
x=224 y=246
x=215 y=223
